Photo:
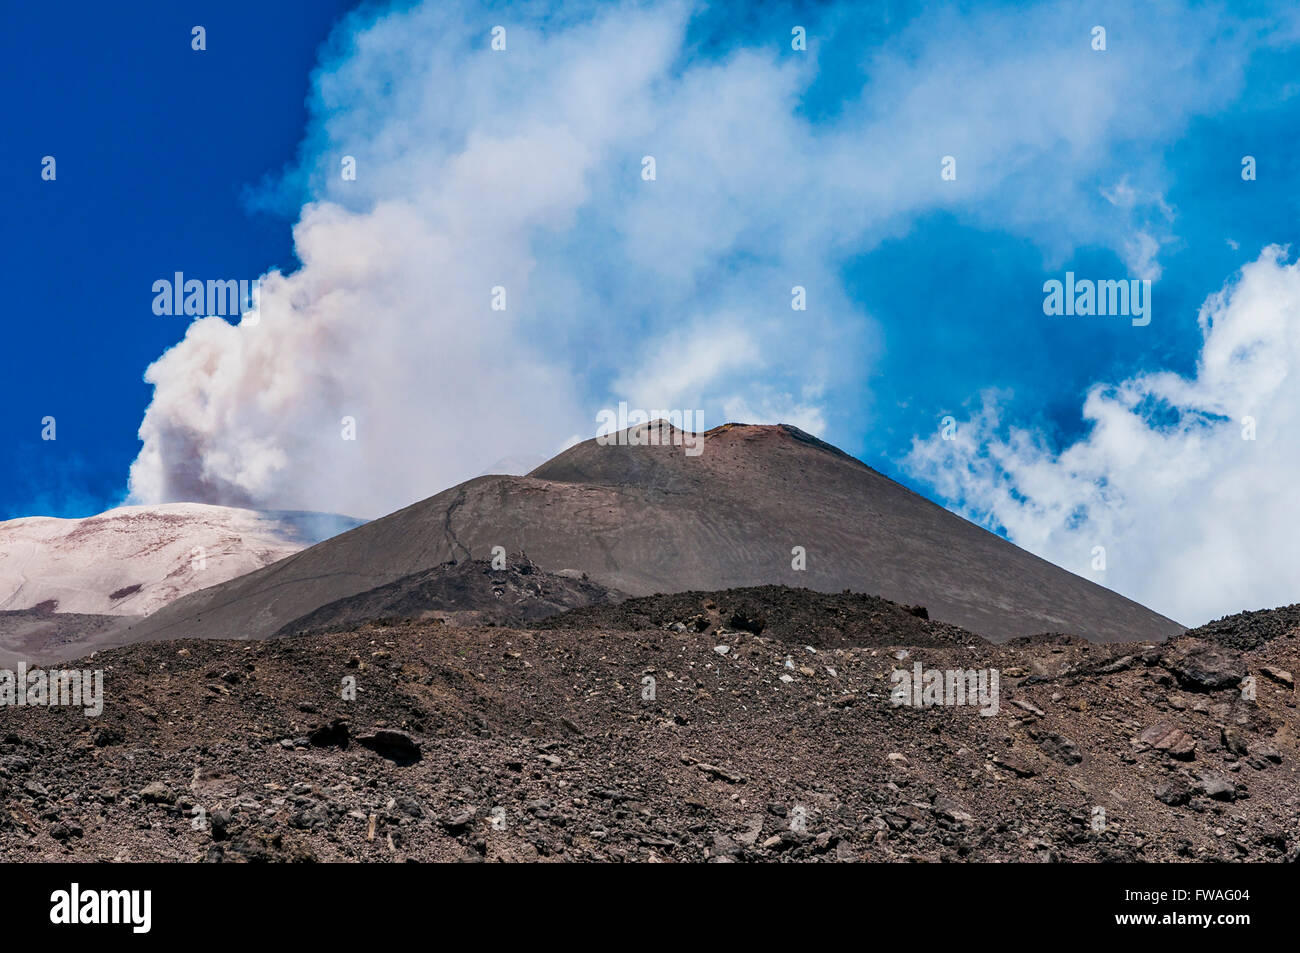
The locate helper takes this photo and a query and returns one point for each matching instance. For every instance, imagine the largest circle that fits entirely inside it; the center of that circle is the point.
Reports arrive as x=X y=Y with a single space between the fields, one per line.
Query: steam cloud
x=522 y=169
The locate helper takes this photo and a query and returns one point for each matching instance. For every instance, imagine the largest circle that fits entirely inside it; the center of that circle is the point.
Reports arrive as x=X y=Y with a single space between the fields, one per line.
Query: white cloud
x=1140 y=256
x=1147 y=212
x=677 y=372
x=1196 y=521
x=522 y=169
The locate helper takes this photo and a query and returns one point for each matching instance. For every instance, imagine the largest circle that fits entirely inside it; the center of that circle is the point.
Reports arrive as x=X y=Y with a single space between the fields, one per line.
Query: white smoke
x=522 y=169
x=1187 y=483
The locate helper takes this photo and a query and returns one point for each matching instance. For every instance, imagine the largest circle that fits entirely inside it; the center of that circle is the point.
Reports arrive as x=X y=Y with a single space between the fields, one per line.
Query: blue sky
x=776 y=167
x=155 y=145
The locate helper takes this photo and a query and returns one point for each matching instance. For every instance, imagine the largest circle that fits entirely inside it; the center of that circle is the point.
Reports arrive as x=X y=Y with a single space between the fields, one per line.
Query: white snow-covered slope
x=135 y=559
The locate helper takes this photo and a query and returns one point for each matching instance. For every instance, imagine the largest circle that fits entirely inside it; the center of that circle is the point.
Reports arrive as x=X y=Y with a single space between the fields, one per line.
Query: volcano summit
x=763 y=505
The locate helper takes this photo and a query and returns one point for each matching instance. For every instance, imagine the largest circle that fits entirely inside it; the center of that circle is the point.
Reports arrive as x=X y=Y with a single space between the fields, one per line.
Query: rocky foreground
x=749 y=725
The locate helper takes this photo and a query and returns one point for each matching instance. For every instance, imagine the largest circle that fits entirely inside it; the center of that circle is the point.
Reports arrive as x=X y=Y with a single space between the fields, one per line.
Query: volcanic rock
x=397 y=746
x=1203 y=666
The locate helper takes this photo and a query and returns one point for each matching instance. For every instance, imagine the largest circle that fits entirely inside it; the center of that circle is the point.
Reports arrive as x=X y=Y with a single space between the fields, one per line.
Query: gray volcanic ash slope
x=646 y=519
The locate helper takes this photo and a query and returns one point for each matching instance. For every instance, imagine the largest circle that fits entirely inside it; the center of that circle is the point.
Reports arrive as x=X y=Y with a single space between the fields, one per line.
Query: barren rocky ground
x=761 y=743
x=468 y=592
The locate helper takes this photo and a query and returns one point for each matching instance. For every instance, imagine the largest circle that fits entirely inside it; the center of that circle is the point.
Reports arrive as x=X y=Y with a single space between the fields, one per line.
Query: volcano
x=760 y=505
